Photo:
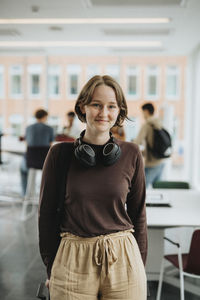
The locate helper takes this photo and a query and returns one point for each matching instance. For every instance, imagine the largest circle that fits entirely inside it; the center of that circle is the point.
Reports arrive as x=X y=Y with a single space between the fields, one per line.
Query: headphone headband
x=86 y=155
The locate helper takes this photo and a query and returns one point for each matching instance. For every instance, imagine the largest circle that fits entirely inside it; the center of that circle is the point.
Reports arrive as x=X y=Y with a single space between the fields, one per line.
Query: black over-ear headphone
x=86 y=155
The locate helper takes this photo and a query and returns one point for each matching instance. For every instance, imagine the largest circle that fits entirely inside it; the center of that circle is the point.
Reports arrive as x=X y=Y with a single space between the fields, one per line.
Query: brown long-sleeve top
x=98 y=200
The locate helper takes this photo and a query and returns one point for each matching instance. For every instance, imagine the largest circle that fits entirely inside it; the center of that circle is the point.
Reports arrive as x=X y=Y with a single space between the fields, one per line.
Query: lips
x=101 y=120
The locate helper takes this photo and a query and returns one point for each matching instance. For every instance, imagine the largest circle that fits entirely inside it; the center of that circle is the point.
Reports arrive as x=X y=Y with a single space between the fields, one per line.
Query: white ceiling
x=179 y=37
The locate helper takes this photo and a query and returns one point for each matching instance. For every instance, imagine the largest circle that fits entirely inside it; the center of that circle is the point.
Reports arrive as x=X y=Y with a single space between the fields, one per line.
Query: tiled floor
x=21 y=268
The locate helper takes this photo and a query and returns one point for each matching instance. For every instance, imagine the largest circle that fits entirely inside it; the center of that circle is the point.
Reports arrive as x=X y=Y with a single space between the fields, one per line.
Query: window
x=1 y=82
x=133 y=82
x=172 y=82
x=92 y=70
x=113 y=71
x=152 y=91
x=16 y=81
x=54 y=81
x=73 y=79
x=35 y=84
x=34 y=80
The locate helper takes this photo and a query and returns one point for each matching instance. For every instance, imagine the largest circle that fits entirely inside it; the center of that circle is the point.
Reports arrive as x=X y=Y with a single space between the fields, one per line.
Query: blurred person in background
x=153 y=166
x=72 y=129
x=37 y=134
x=119 y=133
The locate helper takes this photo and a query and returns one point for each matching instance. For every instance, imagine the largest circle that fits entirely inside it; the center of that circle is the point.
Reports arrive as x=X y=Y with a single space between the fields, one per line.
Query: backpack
x=162 y=143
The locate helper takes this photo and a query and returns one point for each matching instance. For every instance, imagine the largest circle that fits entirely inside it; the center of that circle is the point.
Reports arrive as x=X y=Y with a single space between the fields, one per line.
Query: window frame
x=73 y=69
x=54 y=70
x=133 y=70
x=34 y=69
x=16 y=69
x=155 y=73
x=169 y=72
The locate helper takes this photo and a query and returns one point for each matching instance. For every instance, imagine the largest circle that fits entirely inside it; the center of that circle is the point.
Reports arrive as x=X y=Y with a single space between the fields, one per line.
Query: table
x=185 y=212
x=12 y=145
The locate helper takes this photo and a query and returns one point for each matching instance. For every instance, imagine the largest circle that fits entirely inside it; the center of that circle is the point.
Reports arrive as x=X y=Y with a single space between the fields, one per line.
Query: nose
x=103 y=111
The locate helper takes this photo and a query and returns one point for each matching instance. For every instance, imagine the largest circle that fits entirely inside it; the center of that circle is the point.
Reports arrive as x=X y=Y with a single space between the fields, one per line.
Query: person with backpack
x=92 y=215
x=156 y=142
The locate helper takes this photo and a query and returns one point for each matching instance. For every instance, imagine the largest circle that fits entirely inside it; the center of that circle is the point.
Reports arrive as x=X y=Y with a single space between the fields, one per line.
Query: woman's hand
x=47 y=283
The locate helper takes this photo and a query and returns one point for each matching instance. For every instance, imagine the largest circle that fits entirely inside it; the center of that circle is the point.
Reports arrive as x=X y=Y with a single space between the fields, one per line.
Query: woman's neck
x=95 y=139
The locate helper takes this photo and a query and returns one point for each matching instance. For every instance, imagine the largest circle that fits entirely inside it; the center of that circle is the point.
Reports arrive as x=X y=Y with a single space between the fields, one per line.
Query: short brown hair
x=40 y=113
x=85 y=97
x=149 y=107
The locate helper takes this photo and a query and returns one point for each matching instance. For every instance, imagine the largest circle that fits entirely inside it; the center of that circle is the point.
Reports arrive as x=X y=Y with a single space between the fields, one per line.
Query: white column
x=193 y=121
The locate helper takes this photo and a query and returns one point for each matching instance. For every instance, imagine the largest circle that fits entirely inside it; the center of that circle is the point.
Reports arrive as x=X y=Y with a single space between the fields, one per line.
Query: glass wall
x=160 y=81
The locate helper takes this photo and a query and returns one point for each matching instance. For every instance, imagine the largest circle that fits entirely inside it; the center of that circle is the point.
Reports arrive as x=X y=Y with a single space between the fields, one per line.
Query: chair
x=64 y=138
x=171 y=185
x=35 y=157
x=188 y=264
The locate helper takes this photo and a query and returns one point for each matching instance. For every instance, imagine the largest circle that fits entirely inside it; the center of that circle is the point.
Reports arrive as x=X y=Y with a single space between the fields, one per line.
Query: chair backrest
x=64 y=138
x=193 y=262
x=35 y=156
x=171 y=185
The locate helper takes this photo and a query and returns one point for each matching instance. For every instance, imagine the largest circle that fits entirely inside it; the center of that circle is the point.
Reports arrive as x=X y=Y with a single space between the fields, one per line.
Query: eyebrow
x=99 y=101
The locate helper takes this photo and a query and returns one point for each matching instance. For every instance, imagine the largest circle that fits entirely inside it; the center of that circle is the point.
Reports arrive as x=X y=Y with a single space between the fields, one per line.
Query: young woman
x=103 y=222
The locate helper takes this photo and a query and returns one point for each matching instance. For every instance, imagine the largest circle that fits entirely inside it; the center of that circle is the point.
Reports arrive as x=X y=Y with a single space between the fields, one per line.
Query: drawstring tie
x=104 y=253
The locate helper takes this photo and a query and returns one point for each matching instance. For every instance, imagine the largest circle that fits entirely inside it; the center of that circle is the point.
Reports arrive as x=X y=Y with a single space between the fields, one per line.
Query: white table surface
x=13 y=145
x=185 y=210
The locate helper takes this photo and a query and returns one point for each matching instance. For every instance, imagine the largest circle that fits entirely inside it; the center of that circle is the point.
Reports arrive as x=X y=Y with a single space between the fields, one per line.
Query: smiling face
x=102 y=111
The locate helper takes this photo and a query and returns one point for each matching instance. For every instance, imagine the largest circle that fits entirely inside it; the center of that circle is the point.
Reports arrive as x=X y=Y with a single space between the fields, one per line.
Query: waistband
x=104 y=250
x=95 y=238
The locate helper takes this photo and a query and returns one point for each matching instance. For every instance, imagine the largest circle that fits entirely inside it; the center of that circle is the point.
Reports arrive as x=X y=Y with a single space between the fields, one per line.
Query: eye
x=112 y=106
x=95 y=105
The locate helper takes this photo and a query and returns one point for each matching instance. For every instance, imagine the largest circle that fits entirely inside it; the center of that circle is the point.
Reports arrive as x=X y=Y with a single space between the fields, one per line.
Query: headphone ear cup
x=111 y=153
x=86 y=155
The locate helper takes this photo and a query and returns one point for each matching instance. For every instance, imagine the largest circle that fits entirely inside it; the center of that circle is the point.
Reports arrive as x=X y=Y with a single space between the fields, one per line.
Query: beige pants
x=104 y=267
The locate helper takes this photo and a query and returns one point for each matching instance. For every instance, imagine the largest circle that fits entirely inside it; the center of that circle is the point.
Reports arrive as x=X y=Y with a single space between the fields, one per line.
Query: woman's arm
x=136 y=207
x=49 y=237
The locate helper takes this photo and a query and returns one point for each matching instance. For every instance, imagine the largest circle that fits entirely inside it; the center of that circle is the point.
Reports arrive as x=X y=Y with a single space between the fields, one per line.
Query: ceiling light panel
x=87 y=21
x=123 y=3
x=35 y=44
x=136 y=32
x=136 y=50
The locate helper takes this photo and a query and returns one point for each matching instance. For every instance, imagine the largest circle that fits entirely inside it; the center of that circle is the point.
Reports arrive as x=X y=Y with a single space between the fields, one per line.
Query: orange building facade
x=53 y=82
